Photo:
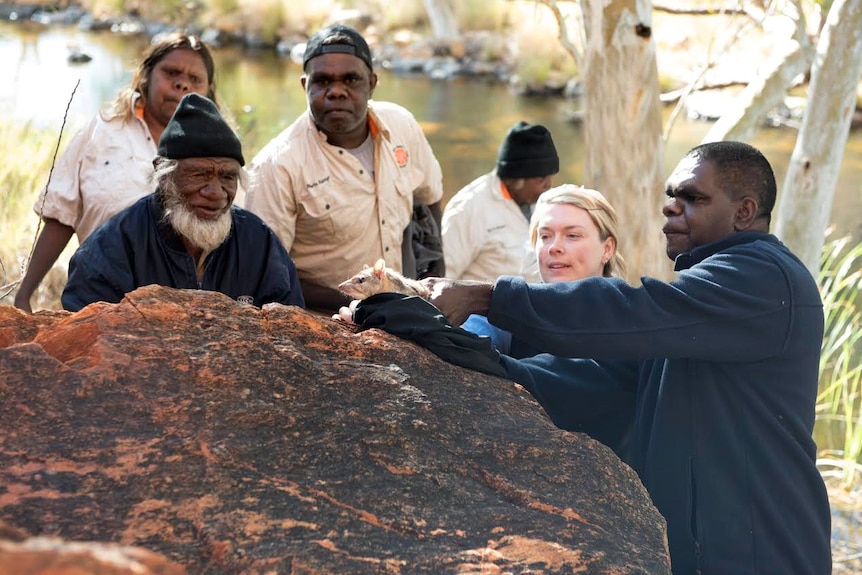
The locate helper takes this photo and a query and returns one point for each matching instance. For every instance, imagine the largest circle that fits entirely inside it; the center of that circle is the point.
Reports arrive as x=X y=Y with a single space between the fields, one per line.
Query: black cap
x=198 y=130
x=527 y=151
x=340 y=39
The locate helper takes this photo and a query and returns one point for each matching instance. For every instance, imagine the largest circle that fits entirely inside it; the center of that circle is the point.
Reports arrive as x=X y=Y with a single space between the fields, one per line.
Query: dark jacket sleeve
x=731 y=307
x=413 y=318
x=593 y=397
x=97 y=272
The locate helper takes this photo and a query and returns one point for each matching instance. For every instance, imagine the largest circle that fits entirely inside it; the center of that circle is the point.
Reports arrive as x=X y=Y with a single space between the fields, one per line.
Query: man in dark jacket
x=726 y=369
x=187 y=234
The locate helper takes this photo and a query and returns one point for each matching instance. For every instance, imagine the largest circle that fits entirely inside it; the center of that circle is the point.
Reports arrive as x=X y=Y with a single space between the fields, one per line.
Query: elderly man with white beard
x=187 y=234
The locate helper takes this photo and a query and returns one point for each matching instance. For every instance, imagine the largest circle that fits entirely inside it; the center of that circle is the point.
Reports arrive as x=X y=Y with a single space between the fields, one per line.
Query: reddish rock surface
x=20 y=555
x=236 y=440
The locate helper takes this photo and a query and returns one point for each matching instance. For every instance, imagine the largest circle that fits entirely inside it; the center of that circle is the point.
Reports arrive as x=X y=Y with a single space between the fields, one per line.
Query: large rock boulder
x=237 y=440
x=22 y=555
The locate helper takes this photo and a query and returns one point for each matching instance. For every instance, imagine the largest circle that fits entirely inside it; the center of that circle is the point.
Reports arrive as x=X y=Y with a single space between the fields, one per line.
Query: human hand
x=458 y=299
x=22 y=302
x=345 y=313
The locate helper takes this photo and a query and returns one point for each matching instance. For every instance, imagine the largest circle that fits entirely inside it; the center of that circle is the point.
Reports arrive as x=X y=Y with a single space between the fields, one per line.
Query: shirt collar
x=138 y=105
x=688 y=259
x=504 y=191
x=375 y=124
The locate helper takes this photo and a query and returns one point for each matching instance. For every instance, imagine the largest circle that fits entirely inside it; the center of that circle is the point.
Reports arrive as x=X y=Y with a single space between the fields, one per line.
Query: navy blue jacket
x=602 y=408
x=137 y=248
x=726 y=378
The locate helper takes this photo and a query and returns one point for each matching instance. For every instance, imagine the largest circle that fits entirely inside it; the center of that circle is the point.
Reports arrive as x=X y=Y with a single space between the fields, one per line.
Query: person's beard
x=205 y=234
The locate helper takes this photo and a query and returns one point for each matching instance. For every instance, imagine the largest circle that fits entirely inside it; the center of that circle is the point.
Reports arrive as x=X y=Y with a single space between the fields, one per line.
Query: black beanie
x=527 y=152
x=198 y=130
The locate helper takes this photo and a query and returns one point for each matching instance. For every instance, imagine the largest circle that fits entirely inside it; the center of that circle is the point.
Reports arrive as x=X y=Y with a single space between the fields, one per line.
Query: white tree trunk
x=623 y=127
x=444 y=26
x=809 y=187
x=763 y=94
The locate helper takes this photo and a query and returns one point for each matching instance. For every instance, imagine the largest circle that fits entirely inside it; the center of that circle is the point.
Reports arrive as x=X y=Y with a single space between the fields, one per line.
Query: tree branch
x=704 y=11
x=576 y=53
x=695 y=82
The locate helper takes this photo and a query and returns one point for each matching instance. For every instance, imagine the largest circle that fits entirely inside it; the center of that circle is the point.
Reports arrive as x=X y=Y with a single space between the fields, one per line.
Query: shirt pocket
x=410 y=178
x=314 y=223
x=503 y=239
x=329 y=214
x=112 y=177
x=504 y=251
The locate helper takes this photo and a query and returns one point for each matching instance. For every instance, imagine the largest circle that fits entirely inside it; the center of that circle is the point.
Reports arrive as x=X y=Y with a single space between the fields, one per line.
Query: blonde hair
x=601 y=212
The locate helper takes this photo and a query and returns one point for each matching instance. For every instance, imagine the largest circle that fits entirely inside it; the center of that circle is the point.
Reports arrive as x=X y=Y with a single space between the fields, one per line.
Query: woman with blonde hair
x=107 y=165
x=573 y=232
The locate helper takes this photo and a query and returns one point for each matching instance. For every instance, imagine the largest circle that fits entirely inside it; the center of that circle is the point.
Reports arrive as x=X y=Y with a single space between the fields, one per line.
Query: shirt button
x=361 y=171
x=340 y=151
x=327 y=206
x=386 y=249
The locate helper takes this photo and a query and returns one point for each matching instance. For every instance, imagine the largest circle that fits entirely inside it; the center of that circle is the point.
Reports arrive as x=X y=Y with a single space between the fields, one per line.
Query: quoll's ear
x=379 y=267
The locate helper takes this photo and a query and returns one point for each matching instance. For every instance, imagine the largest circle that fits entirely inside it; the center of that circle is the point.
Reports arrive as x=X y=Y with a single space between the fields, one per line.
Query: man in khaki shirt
x=339 y=184
x=486 y=225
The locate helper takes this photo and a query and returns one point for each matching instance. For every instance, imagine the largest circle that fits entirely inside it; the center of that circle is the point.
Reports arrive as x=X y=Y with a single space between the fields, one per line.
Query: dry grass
x=27 y=154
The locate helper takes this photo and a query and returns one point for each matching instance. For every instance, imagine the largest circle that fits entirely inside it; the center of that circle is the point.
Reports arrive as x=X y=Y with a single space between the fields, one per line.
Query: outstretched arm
x=594 y=397
x=458 y=299
x=53 y=239
x=322 y=298
x=95 y=276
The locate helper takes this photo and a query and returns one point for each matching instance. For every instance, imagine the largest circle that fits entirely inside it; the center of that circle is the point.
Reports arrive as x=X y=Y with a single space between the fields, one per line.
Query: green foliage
x=839 y=403
x=667 y=83
x=539 y=60
x=534 y=70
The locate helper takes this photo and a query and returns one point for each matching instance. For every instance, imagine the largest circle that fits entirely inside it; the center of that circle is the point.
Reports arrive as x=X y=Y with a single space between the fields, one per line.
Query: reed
x=839 y=403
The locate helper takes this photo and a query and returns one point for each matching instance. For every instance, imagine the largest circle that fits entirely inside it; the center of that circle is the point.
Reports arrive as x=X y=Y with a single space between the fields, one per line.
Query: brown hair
x=122 y=106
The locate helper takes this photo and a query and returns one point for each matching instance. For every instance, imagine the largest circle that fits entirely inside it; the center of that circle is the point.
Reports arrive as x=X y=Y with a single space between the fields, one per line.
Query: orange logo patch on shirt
x=400 y=156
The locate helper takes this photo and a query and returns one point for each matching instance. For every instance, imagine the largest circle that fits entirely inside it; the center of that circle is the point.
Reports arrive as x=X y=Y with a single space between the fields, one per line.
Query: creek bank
x=479 y=55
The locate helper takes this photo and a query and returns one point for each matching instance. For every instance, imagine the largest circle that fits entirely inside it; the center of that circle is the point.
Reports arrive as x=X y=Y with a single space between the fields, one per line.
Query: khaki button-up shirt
x=330 y=214
x=485 y=234
x=104 y=169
